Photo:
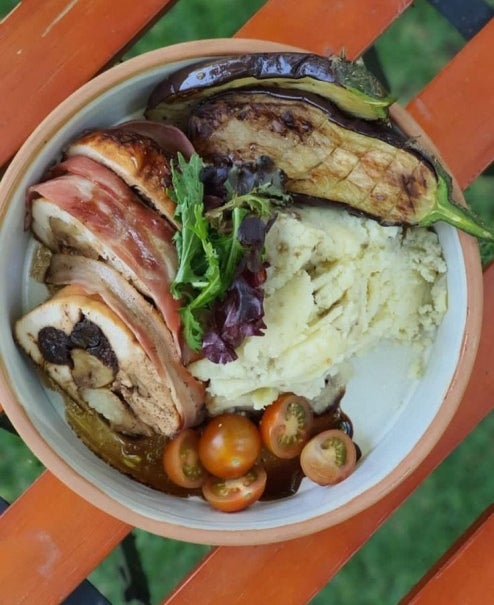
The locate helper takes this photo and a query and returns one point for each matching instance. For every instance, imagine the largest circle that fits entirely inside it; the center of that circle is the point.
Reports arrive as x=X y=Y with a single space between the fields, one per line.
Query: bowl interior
x=397 y=418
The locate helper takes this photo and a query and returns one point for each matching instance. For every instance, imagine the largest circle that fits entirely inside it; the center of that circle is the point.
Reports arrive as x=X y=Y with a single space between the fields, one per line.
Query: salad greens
x=218 y=246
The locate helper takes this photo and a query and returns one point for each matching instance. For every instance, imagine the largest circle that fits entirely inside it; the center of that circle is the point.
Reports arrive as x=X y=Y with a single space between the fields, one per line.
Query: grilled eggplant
x=348 y=84
x=370 y=167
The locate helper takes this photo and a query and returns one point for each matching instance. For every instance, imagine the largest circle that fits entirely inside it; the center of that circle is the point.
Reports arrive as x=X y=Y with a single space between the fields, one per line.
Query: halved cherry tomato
x=329 y=457
x=229 y=445
x=286 y=425
x=181 y=460
x=231 y=495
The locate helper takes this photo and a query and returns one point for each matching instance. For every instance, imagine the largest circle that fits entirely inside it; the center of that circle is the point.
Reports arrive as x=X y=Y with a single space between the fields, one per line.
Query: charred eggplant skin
x=348 y=84
x=324 y=153
x=369 y=167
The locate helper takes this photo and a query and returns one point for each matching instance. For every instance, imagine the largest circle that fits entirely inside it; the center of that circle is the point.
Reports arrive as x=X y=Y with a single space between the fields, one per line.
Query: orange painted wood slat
x=456 y=108
x=324 y=26
x=64 y=516
x=49 y=49
x=293 y=572
x=465 y=574
x=50 y=540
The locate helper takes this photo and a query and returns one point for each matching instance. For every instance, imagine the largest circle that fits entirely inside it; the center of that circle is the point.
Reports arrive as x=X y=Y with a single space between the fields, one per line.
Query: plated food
x=212 y=276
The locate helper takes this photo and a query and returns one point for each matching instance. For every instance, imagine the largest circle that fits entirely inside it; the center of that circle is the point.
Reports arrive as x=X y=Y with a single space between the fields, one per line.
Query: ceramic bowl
x=397 y=435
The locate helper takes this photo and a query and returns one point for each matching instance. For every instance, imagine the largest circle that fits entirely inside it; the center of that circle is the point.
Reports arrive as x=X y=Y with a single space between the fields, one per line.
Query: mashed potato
x=337 y=285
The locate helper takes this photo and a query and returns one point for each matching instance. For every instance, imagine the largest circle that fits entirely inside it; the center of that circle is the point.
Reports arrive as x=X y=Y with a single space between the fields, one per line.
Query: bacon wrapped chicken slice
x=140 y=153
x=105 y=346
x=88 y=210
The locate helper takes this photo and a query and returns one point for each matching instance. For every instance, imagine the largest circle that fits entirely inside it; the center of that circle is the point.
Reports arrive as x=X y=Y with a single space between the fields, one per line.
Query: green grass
x=411 y=52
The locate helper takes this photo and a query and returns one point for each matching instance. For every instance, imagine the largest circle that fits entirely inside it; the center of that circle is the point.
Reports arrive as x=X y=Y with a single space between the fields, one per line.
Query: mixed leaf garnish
x=224 y=213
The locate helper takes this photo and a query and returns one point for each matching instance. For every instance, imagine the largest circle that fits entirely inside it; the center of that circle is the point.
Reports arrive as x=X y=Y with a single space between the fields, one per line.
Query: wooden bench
x=50 y=538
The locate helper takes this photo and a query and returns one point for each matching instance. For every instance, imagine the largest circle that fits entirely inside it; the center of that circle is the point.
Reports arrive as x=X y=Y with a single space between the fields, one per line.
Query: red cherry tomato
x=286 y=425
x=181 y=460
x=229 y=445
x=231 y=495
x=329 y=457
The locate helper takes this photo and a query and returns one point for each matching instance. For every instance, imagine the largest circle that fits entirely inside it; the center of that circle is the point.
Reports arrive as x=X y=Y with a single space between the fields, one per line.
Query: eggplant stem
x=459 y=216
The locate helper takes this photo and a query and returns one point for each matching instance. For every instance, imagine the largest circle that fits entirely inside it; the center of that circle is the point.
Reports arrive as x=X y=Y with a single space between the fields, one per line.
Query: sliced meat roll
x=90 y=211
x=74 y=339
x=140 y=154
x=98 y=359
x=180 y=390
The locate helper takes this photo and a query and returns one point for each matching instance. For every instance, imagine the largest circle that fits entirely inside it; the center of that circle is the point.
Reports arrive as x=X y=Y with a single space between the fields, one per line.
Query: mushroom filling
x=86 y=350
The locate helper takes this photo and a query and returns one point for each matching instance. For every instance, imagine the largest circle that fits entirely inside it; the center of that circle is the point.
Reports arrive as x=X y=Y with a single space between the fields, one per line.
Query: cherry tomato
x=181 y=460
x=286 y=425
x=231 y=495
x=329 y=457
x=229 y=445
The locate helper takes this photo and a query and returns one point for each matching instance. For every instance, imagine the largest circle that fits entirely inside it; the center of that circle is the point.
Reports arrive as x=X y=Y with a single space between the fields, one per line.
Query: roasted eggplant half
x=370 y=167
x=348 y=84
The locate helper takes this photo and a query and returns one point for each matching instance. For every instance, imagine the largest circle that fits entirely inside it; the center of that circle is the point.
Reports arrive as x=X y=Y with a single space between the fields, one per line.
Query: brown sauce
x=141 y=457
x=137 y=457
